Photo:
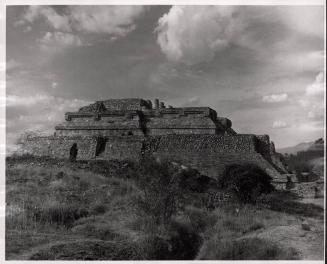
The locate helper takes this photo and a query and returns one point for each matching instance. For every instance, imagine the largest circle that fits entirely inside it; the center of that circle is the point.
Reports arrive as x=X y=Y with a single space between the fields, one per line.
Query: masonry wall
x=117 y=104
x=126 y=147
x=125 y=104
x=179 y=131
x=98 y=132
x=267 y=149
x=59 y=147
x=210 y=154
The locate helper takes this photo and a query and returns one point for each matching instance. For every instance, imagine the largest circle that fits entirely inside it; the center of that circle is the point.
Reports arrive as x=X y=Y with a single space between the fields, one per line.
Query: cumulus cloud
x=275 y=98
x=16 y=100
x=117 y=21
x=60 y=39
x=317 y=88
x=57 y=21
x=114 y=20
x=313 y=98
x=279 y=124
x=193 y=34
x=40 y=112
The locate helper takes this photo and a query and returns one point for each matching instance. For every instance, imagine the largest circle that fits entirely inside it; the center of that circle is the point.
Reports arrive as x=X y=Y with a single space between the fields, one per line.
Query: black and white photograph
x=163 y=131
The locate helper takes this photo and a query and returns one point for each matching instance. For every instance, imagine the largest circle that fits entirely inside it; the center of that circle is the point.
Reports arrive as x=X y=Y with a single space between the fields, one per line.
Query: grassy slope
x=56 y=209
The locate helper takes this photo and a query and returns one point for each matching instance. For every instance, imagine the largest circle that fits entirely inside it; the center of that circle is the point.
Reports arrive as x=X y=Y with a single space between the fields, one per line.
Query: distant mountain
x=294 y=149
x=314 y=145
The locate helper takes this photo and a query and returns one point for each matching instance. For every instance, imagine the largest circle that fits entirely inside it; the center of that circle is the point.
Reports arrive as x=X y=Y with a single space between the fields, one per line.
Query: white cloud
x=306 y=20
x=279 y=124
x=63 y=39
x=57 y=21
x=316 y=112
x=114 y=20
x=304 y=102
x=190 y=102
x=57 y=102
x=15 y=100
x=317 y=88
x=117 y=21
x=275 y=98
x=300 y=60
x=194 y=100
x=54 y=85
x=313 y=99
x=192 y=34
x=41 y=112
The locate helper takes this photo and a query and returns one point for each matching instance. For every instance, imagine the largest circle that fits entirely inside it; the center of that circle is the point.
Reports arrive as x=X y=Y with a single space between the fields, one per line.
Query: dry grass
x=245 y=249
x=223 y=240
x=48 y=206
x=51 y=199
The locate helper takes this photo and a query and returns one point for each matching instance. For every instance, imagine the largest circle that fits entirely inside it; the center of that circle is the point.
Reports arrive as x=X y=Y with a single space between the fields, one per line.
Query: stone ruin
x=131 y=128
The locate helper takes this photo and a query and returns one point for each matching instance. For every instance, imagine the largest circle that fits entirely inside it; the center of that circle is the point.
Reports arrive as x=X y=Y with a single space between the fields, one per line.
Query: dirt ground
x=308 y=242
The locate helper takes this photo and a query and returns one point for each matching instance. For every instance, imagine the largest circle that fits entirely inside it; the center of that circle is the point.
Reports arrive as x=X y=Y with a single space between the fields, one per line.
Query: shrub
x=159 y=183
x=246 y=181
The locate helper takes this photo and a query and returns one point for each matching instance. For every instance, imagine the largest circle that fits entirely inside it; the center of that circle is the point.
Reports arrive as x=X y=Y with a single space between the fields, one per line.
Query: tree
x=246 y=181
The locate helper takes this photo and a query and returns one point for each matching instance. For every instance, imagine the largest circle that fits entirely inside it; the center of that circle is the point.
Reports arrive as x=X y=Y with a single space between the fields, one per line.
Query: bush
x=159 y=182
x=246 y=181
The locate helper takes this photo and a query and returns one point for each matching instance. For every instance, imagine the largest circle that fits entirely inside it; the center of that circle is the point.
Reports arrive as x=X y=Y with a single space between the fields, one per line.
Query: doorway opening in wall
x=101 y=146
x=73 y=152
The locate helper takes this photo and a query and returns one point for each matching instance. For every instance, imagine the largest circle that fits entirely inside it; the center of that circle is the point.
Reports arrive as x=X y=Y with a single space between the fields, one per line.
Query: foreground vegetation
x=154 y=210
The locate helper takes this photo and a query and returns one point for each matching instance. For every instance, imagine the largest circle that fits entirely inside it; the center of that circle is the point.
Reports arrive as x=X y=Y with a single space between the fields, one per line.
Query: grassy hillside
x=115 y=210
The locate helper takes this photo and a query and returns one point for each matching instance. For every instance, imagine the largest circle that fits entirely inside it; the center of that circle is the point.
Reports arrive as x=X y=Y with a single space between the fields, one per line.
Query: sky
x=260 y=66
